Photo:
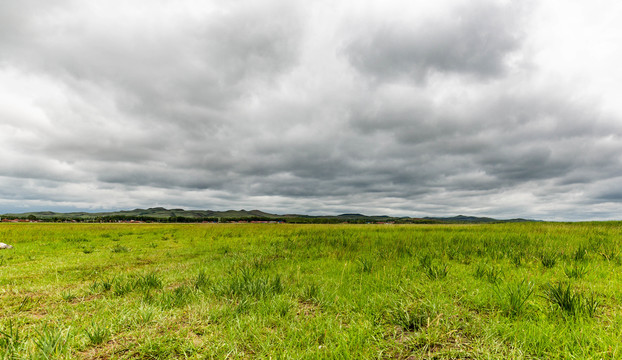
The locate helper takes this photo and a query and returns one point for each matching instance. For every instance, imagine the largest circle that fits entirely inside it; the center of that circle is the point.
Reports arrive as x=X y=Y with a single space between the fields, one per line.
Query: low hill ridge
x=181 y=215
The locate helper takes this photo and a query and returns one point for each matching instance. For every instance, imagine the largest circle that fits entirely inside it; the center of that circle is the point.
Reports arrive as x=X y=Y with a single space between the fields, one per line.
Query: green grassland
x=161 y=291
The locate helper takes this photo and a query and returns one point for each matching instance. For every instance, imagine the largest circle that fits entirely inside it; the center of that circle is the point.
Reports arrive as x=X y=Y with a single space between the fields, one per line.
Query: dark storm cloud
x=473 y=39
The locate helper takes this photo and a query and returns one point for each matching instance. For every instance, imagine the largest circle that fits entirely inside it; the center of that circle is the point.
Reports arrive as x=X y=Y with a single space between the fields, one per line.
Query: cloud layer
x=455 y=107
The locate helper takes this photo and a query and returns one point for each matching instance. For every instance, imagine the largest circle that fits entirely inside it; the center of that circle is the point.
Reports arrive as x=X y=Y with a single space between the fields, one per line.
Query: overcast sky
x=411 y=108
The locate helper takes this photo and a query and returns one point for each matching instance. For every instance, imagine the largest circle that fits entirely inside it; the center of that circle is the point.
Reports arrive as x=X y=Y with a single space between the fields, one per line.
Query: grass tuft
x=310 y=293
x=489 y=273
x=149 y=281
x=119 y=249
x=548 y=259
x=10 y=341
x=517 y=259
x=97 y=334
x=145 y=314
x=51 y=342
x=122 y=286
x=436 y=272
x=425 y=260
x=102 y=285
x=27 y=304
x=68 y=295
x=178 y=297
x=245 y=283
x=570 y=302
x=514 y=297
x=576 y=271
x=409 y=317
x=580 y=254
x=610 y=253
x=202 y=281
x=365 y=265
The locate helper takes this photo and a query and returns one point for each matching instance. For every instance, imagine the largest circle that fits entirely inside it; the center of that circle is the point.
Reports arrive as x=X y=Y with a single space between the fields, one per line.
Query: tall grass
x=252 y=291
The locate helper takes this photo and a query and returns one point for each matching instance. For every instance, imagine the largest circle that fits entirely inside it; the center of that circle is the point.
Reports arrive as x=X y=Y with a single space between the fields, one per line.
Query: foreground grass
x=124 y=291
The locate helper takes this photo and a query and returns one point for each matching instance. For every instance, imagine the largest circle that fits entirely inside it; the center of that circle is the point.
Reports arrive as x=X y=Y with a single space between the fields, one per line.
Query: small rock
x=5 y=246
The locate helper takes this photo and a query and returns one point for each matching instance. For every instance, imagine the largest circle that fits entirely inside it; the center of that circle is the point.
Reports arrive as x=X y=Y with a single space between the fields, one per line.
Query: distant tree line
x=184 y=219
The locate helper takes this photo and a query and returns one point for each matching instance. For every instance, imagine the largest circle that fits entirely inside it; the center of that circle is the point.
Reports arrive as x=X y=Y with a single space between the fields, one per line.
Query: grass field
x=518 y=291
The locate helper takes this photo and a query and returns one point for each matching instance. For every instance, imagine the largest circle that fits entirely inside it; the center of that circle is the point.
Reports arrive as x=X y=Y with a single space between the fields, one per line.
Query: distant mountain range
x=181 y=215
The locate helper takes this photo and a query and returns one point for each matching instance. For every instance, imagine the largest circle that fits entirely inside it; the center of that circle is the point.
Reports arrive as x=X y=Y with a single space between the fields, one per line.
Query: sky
x=407 y=108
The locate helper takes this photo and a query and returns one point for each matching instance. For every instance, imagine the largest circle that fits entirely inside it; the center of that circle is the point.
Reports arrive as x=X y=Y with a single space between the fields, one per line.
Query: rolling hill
x=182 y=215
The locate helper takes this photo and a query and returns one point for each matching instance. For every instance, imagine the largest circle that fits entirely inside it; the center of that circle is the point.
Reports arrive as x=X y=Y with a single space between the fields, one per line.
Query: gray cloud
x=473 y=39
x=184 y=67
x=293 y=108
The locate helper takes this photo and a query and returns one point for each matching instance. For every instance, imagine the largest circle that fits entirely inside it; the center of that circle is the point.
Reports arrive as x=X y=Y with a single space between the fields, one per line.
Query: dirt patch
x=109 y=350
x=307 y=308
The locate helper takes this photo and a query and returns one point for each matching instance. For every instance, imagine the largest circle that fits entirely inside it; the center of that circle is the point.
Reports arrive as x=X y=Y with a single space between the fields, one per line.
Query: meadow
x=245 y=291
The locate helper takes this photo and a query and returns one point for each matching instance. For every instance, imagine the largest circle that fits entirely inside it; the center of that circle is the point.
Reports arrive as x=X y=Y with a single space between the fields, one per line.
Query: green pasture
x=244 y=291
